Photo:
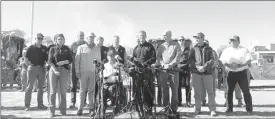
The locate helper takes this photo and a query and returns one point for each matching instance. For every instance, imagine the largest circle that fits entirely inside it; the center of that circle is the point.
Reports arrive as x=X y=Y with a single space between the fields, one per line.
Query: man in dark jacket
x=145 y=55
x=120 y=50
x=201 y=62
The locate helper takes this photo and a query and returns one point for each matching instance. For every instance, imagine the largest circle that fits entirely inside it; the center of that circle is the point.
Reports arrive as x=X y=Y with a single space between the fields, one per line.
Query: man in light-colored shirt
x=236 y=60
x=85 y=71
x=74 y=78
x=169 y=56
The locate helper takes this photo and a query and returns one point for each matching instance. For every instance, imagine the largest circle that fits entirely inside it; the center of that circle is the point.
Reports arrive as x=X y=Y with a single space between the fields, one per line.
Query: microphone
x=104 y=61
x=118 y=57
x=95 y=61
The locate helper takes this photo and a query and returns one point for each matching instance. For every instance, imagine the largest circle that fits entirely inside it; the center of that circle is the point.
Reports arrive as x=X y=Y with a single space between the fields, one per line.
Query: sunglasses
x=40 y=38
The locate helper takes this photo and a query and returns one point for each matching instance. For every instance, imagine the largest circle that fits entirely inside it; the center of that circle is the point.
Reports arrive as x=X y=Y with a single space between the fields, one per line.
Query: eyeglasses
x=231 y=41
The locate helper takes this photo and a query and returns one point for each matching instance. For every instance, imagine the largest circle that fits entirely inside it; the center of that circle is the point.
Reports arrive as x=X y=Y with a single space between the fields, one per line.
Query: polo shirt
x=37 y=56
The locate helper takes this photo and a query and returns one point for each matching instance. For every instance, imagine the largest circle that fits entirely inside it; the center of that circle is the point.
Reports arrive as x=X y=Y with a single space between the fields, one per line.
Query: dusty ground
x=12 y=103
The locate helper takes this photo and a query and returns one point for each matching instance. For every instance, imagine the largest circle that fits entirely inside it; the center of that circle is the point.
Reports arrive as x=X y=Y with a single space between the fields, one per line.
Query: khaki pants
x=87 y=83
x=55 y=82
x=24 y=79
x=49 y=94
x=215 y=77
x=206 y=81
x=173 y=79
x=34 y=73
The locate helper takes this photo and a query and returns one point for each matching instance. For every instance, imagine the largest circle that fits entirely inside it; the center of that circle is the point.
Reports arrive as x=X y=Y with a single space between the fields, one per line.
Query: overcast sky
x=253 y=21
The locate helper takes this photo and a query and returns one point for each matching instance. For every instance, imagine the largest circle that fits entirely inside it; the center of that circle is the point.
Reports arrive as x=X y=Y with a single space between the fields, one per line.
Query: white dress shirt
x=239 y=55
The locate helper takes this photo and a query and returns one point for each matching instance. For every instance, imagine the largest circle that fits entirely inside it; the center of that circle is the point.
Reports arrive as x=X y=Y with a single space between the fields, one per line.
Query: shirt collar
x=37 y=46
x=143 y=44
x=169 y=43
x=81 y=42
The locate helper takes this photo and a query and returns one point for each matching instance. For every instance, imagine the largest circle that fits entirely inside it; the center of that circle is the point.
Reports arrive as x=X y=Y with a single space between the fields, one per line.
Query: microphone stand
x=100 y=111
x=128 y=106
x=118 y=91
x=172 y=115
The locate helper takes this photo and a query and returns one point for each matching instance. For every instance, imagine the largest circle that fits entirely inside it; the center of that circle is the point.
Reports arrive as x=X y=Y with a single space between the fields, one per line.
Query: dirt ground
x=12 y=102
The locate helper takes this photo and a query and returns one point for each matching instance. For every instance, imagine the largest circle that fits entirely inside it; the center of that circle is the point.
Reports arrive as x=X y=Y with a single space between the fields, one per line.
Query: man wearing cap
x=238 y=92
x=73 y=48
x=236 y=60
x=169 y=56
x=36 y=58
x=201 y=61
x=85 y=71
x=223 y=76
x=184 y=75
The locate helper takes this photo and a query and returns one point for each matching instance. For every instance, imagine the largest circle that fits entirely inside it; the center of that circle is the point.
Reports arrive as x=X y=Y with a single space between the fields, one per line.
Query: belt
x=60 y=67
x=36 y=65
x=238 y=71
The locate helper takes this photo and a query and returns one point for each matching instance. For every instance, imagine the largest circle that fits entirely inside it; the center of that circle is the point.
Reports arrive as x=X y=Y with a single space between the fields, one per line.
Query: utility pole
x=32 y=21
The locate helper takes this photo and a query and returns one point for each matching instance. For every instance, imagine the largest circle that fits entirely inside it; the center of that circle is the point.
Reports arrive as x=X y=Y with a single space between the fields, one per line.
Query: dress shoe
x=72 y=105
x=229 y=111
x=213 y=113
x=188 y=104
x=79 y=112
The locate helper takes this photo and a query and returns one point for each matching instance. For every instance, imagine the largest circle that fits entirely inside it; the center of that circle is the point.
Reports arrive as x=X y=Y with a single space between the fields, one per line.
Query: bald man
x=74 y=79
x=169 y=57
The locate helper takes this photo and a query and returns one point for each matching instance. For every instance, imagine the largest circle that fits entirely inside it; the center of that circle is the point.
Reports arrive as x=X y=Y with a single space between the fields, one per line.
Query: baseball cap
x=235 y=37
x=181 y=38
x=199 y=35
x=39 y=35
x=187 y=39
x=167 y=32
x=91 y=34
x=206 y=41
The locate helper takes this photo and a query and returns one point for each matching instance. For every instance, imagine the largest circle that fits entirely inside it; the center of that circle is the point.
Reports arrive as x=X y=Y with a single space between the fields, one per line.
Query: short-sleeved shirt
x=37 y=56
x=239 y=55
x=57 y=54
